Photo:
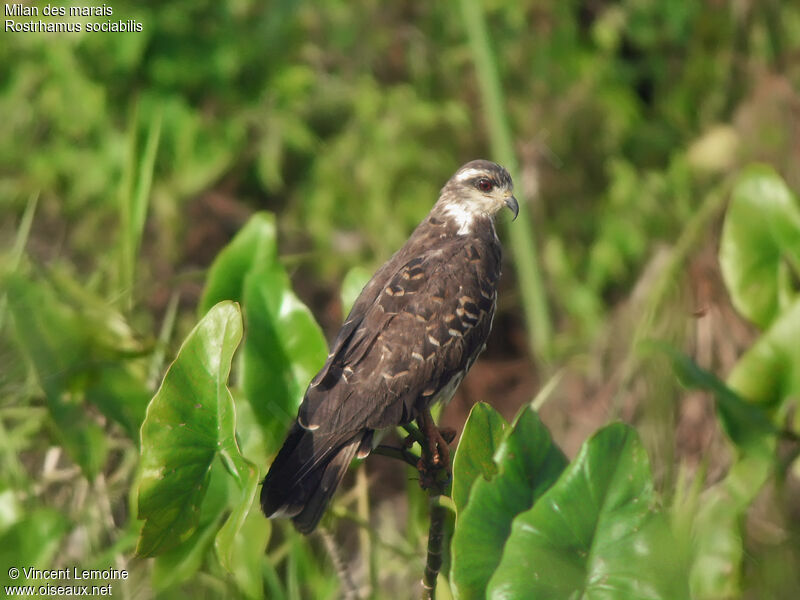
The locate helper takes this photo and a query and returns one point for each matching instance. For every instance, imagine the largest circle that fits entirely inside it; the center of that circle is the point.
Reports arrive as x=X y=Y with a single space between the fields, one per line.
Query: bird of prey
x=411 y=336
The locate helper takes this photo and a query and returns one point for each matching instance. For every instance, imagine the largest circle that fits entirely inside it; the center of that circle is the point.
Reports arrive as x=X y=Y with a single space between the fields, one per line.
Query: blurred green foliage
x=127 y=161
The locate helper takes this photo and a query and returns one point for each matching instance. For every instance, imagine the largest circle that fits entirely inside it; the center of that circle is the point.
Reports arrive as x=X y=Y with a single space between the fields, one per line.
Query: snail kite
x=412 y=335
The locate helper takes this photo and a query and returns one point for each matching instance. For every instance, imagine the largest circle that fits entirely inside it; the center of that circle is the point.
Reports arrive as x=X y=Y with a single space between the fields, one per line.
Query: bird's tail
x=304 y=476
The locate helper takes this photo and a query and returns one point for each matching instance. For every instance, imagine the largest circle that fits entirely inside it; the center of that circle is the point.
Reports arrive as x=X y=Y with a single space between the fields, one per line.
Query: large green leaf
x=284 y=346
x=525 y=465
x=283 y=350
x=718 y=529
x=255 y=244
x=596 y=533
x=760 y=244
x=769 y=372
x=474 y=457
x=227 y=537
x=190 y=422
x=182 y=562
x=242 y=552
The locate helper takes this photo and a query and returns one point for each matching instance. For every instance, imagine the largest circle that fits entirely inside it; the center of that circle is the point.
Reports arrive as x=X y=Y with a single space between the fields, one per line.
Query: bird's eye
x=485 y=185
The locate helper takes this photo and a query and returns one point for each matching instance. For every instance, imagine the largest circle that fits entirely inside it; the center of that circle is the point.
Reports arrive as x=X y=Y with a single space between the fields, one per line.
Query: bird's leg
x=437 y=449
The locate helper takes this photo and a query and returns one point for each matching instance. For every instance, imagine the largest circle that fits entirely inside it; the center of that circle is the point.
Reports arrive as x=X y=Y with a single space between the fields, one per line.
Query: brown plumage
x=411 y=336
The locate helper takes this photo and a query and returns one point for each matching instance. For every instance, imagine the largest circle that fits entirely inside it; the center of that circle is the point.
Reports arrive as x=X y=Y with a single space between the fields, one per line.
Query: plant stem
x=397 y=453
x=433 y=563
x=414 y=432
x=349 y=591
x=523 y=243
x=435 y=479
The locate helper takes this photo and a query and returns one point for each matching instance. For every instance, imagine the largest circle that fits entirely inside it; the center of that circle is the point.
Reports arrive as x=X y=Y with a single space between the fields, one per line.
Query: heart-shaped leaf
x=283 y=350
x=760 y=241
x=596 y=533
x=284 y=346
x=525 y=465
x=242 y=552
x=768 y=373
x=190 y=422
x=182 y=562
x=474 y=457
x=255 y=243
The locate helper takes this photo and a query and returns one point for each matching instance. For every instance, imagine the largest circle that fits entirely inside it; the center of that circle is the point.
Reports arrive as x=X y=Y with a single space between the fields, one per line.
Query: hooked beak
x=512 y=204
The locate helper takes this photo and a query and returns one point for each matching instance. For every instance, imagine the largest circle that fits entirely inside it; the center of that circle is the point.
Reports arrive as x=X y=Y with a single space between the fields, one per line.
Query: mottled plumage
x=411 y=336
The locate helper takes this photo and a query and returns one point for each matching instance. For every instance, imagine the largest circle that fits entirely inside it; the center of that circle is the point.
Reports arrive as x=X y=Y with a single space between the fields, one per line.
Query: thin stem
x=349 y=591
x=523 y=243
x=433 y=563
x=435 y=477
x=415 y=433
x=397 y=453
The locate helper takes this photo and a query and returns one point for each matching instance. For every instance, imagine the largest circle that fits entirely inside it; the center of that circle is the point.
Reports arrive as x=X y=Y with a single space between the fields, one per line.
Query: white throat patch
x=463 y=217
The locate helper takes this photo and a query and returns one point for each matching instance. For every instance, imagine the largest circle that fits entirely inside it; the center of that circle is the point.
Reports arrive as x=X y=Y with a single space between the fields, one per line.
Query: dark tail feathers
x=304 y=476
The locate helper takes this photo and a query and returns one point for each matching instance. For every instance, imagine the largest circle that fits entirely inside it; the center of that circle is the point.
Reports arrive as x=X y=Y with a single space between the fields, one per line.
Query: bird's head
x=479 y=187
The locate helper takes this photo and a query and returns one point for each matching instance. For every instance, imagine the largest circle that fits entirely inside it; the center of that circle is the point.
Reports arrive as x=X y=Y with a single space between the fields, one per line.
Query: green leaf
x=284 y=348
x=255 y=244
x=182 y=562
x=760 y=242
x=242 y=552
x=189 y=422
x=596 y=533
x=474 y=457
x=769 y=372
x=228 y=535
x=718 y=529
x=525 y=465
x=120 y=395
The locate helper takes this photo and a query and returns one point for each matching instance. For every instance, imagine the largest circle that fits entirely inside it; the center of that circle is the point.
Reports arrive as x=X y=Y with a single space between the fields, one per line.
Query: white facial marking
x=468 y=174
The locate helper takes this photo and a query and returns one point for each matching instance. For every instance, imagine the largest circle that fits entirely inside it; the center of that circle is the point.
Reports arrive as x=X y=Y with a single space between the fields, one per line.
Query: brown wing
x=419 y=323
